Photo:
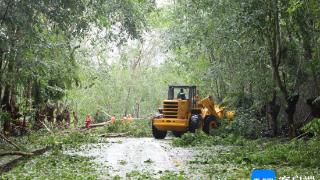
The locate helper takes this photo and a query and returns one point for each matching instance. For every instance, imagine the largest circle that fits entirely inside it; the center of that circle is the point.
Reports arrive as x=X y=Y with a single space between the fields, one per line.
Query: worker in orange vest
x=130 y=119
x=124 y=120
x=113 y=119
x=88 y=121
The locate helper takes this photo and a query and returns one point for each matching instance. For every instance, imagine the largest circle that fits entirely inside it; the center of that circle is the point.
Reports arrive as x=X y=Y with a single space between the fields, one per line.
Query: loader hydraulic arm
x=209 y=106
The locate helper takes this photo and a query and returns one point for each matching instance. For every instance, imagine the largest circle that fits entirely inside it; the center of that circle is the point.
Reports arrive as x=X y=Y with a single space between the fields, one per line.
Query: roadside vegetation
x=64 y=166
x=54 y=165
x=229 y=155
x=222 y=154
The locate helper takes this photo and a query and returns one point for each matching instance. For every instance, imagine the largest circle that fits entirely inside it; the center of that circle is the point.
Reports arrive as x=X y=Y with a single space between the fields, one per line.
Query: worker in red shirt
x=88 y=121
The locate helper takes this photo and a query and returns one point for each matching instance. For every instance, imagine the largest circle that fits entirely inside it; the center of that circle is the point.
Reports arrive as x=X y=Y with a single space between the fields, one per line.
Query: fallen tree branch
x=19 y=153
x=114 y=134
x=105 y=112
x=9 y=165
x=9 y=141
x=46 y=127
x=97 y=125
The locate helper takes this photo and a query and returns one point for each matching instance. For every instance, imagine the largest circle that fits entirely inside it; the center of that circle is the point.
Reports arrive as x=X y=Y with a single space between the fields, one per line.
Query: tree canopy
x=120 y=56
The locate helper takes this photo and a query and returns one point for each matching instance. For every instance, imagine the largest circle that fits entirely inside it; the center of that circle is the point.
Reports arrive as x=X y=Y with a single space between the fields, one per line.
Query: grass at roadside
x=54 y=165
x=233 y=156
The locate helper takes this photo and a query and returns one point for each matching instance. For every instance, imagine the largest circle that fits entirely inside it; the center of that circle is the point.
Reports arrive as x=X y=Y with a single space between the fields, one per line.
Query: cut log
x=97 y=125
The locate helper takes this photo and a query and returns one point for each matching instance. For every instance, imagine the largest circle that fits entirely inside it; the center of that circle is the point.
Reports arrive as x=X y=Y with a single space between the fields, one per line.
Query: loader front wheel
x=210 y=122
x=158 y=134
x=194 y=123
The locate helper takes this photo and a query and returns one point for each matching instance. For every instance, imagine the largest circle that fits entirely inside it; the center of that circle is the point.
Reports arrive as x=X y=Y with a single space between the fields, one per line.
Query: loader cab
x=190 y=92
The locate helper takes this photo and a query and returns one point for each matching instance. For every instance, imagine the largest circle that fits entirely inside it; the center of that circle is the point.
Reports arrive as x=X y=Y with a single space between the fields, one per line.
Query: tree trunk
x=137 y=109
x=15 y=112
x=290 y=110
x=66 y=114
x=39 y=118
x=24 y=126
x=1 y=72
x=75 y=119
x=275 y=57
x=5 y=103
x=59 y=117
x=50 y=112
x=28 y=96
x=273 y=110
x=127 y=102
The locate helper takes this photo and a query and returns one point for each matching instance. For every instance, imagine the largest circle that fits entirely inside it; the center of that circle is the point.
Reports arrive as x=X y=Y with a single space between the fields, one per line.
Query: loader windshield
x=181 y=92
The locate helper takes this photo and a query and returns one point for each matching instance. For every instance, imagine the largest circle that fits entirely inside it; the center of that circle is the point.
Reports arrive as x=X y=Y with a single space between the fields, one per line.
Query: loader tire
x=194 y=123
x=158 y=134
x=177 y=133
x=209 y=122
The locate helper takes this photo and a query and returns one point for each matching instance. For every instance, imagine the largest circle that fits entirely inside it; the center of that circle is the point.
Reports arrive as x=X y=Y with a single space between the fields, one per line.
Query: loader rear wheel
x=210 y=122
x=158 y=134
x=177 y=133
x=194 y=123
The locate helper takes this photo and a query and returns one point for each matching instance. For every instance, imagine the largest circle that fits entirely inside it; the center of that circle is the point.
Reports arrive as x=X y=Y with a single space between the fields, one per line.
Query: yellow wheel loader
x=186 y=112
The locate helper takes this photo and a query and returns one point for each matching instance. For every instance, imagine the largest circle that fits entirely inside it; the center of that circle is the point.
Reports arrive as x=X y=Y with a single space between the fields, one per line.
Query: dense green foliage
x=133 y=85
x=118 y=57
x=253 y=53
x=38 y=44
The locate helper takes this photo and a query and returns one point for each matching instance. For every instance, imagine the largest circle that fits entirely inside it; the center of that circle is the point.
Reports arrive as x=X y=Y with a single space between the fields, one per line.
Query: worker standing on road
x=88 y=121
x=113 y=119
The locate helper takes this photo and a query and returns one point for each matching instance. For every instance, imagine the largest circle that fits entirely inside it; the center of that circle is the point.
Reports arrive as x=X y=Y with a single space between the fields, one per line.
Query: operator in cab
x=181 y=95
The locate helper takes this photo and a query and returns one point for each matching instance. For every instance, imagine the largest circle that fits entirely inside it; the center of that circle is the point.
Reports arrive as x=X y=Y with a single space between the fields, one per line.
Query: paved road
x=124 y=155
